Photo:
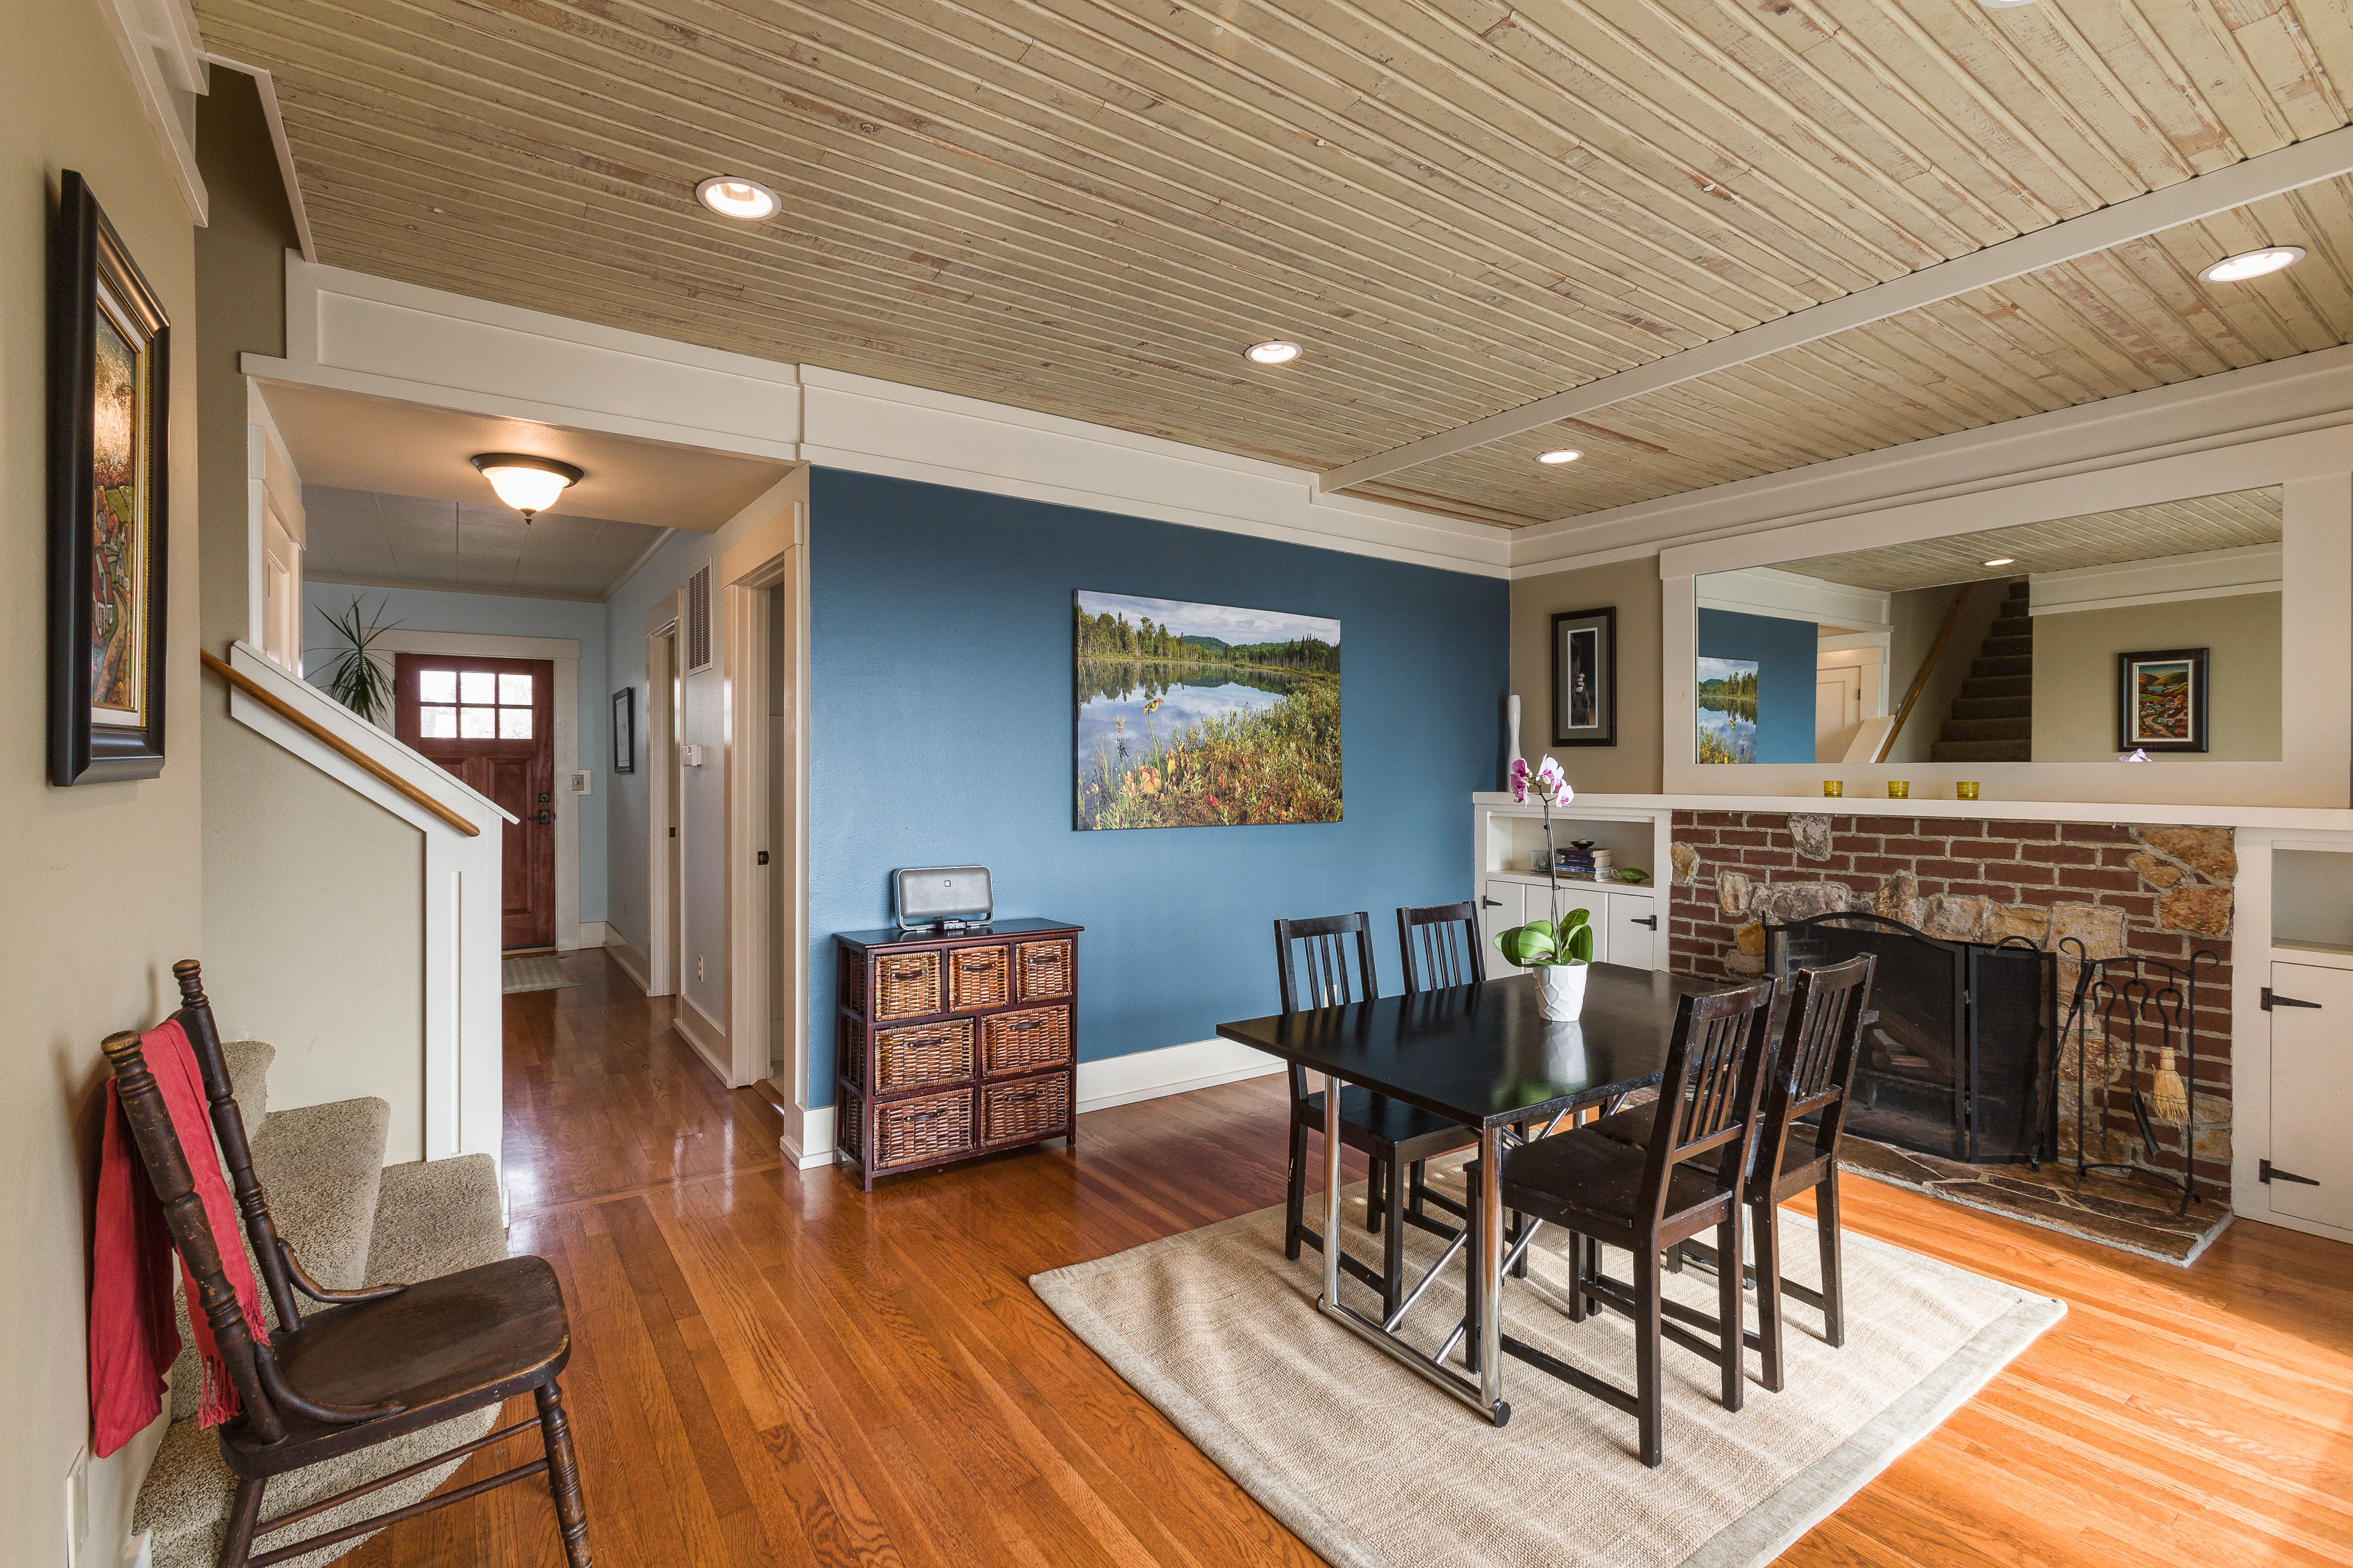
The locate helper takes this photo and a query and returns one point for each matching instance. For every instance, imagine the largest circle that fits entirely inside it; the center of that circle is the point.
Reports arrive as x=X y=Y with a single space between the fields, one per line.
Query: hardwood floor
x=772 y=1369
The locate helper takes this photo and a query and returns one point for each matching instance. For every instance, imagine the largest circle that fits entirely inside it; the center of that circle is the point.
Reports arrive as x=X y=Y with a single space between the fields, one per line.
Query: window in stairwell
x=472 y=705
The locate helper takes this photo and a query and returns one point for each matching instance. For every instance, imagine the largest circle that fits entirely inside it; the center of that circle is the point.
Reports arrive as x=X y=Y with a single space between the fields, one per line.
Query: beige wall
x=1632 y=766
x=102 y=879
x=314 y=895
x=2075 y=676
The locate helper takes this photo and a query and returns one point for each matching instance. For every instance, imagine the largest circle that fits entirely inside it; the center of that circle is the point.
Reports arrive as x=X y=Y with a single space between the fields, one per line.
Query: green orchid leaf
x=1576 y=918
x=1580 y=945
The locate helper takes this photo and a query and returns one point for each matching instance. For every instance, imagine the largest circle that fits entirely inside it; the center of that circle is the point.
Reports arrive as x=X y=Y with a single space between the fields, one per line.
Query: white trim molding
x=2164 y=579
x=165 y=55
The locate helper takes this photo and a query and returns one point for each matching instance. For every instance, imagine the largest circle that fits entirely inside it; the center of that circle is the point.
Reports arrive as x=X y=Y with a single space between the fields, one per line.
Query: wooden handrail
x=1928 y=666
x=327 y=737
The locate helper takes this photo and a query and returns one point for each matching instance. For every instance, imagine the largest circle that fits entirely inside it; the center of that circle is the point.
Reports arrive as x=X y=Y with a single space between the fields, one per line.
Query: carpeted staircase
x=352 y=1221
x=1992 y=719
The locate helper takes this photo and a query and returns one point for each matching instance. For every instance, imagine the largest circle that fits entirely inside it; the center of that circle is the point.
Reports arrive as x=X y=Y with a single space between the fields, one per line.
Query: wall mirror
x=2153 y=628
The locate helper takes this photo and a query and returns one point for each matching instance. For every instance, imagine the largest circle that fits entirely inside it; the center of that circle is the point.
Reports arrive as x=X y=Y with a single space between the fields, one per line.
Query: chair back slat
x=1708 y=1096
x=1440 y=946
x=158 y=1141
x=1821 y=1046
x=1312 y=961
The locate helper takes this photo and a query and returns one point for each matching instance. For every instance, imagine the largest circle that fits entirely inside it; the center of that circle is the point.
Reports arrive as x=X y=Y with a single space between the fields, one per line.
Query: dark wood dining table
x=1483 y=1056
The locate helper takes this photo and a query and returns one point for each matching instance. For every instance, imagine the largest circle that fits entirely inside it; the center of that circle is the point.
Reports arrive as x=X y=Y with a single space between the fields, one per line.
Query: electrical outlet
x=697 y=966
x=581 y=781
x=77 y=1508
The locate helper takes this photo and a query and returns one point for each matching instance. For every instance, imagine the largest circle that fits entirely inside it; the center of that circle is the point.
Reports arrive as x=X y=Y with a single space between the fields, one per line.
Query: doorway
x=491 y=723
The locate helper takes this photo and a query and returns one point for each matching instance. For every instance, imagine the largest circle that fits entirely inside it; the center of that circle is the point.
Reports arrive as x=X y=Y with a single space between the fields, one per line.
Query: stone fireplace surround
x=2144 y=890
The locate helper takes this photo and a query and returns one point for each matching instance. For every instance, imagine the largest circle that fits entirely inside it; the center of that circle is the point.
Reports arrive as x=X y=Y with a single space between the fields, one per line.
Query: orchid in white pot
x=1557 y=952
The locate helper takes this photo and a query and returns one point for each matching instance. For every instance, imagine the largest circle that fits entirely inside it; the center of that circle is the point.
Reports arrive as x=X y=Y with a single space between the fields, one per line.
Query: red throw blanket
x=132 y=1340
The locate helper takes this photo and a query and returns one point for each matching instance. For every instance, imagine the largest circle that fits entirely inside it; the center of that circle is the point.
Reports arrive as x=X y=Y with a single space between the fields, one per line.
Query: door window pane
x=478 y=686
x=515 y=688
x=478 y=724
x=438 y=724
x=514 y=723
x=436 y=686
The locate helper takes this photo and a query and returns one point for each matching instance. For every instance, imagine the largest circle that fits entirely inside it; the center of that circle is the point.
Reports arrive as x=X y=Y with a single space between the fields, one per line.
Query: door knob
x=544 y=816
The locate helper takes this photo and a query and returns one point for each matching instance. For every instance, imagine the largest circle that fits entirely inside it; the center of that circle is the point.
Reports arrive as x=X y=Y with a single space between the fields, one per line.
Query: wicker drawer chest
x=948 y=1047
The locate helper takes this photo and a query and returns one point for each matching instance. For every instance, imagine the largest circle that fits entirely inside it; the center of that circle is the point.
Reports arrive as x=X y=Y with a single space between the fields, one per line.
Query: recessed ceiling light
x=2003 y=561
x=1274 y=351
x=526 y=484
x=2251 y=264
x=1559 y=455
x=2003 y=5
x=731 y=195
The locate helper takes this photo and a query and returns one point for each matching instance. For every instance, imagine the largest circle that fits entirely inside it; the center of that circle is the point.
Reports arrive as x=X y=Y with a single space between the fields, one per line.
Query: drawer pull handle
x=982 y=967
x=924 y=1116
x=1042 y=957
x=916 y=973
x=1020 y=1098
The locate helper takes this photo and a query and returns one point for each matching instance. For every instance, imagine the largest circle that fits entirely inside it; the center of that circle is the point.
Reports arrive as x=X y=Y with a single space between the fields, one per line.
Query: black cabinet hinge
x=2266 y=1171
x=2272 y=999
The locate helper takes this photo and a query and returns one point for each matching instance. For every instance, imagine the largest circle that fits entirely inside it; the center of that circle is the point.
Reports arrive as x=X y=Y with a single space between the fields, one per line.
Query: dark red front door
x=491 y=723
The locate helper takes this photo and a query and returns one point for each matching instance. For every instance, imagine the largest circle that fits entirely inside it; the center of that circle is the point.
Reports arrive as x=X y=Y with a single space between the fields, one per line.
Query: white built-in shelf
x=2312 y=818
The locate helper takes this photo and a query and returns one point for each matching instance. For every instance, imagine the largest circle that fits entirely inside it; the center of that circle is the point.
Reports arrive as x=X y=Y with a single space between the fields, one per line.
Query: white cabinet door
x=1500 y=909
x=1635 y=938
x=2312 y=1083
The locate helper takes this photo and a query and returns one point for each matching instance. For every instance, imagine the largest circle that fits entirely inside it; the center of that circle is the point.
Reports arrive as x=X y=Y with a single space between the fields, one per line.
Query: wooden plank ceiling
x=1090 y=207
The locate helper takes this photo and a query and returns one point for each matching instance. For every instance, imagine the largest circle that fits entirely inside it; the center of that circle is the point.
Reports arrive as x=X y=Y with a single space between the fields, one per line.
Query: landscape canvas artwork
x=1727 y=710
x=120 y=535
x=2161 y=700
x=1192 y=715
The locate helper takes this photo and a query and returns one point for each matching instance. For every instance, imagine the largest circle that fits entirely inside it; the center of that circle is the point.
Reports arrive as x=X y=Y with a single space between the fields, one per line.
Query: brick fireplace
x=2145 y=891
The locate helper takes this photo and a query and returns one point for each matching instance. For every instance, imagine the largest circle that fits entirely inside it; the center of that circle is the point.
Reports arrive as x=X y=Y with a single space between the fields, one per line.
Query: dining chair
x=369 y=1365
x=1687 y=1180
x=1440 y=946
x=1812 y=1074
x=1328 y=961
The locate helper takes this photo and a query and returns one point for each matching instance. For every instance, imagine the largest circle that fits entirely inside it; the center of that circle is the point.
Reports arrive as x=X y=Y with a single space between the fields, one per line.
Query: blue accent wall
x=1786 y=652
x=941 y=733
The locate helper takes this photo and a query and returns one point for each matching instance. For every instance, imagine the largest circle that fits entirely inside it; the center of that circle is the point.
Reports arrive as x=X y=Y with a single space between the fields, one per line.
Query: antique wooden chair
x=1328 y=961
x=1440 y=945
x=368 y=1365
x=1687 y=1180
x=1813 y=1075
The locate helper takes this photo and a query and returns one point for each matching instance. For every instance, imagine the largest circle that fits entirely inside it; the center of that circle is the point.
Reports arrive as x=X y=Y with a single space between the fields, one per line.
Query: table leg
x=1331 y=1191
x=1489 y=1266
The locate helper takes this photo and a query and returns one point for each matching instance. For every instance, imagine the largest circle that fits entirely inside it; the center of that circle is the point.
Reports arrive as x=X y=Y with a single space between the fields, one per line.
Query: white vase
x=1561 y=990
x=1511 y=714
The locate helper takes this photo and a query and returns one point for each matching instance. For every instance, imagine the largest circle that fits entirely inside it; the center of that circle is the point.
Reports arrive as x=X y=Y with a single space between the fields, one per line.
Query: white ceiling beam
x=2323 y=157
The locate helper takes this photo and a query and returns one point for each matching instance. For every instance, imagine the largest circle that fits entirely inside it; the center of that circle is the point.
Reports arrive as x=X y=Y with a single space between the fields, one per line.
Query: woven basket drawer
x=1020 y=1112
x=921 y=1054
x=1042 y=969
x=978 y=977
x=1022 y=1042
x=927 y=1129
x=906 y=985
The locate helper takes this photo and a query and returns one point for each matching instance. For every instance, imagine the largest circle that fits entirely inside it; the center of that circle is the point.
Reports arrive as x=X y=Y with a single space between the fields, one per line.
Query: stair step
x=437 y=1218
x=2015 y=666
x=1978 y=686
x=2019 y=706
x=248 y=1078
x=1980 y=751
x=1988 y=729
x=2012 y=626
x=2008 y=648
x=2019 y=589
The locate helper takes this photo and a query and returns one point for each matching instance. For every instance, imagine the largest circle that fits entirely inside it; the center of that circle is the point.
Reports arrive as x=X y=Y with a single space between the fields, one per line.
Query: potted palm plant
x=1556 y=952
x=355 y=680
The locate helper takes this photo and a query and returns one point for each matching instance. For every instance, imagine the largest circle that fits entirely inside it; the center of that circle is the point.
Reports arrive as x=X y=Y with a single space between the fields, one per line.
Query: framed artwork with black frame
x=2161 y=700
x=624 y=730
x=110 y=367
x=1585 y=677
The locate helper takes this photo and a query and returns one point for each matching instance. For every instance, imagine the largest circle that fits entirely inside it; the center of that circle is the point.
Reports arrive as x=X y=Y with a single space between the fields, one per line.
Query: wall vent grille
x=698 y=621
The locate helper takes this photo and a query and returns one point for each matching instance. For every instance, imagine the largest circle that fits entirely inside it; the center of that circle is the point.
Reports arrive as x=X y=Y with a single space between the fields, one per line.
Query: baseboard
x=588 y=934
x=703 y=1032
x=1173 y=1070
x=808 y=1140
x=634 y=965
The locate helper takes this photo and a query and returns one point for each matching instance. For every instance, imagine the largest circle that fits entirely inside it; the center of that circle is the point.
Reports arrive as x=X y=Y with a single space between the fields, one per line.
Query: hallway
x=769 y=1368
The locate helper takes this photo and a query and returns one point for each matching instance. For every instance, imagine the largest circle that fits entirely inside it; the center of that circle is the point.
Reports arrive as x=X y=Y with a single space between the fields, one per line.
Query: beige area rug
x=539 y=972
x=1375 y=1468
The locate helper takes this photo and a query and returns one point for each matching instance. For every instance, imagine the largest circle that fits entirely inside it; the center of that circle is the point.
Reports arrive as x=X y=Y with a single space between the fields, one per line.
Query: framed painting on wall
x=624 y=730
x=1727 y=710
x=1585 y=677
x=1193 y=715
x=108 y=434
x=2161 y=700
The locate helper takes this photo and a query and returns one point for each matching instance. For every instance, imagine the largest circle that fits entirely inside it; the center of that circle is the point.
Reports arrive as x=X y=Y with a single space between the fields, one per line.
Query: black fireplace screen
x=1957 y=1062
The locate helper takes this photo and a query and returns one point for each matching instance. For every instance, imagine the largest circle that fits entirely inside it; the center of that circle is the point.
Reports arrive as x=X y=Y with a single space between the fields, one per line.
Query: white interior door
x=1634 y=931
x=1500 y=909
x=1838 y=710
x=2312 y=1083
x=281 y=593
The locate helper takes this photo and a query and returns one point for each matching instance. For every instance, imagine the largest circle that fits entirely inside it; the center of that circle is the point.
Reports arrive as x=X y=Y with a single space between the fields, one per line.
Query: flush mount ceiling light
x=1274 y=351
x=2251 y=264
x=2003 y=5
x=2003 y=561
x=731 y=195
x=526 y=484
x=1559 y=455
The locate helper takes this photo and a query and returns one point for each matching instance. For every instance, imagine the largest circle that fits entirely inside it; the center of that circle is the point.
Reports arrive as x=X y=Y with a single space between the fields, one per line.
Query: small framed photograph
x=1585 y=677
x=624 y=730
x=2161 y=700
x=110 y=367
